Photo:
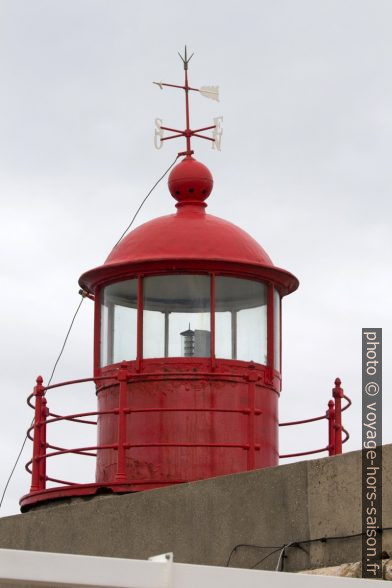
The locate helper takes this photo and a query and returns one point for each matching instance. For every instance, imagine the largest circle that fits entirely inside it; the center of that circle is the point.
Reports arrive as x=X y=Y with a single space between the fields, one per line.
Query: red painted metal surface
x=184 y=422
x=190 y=181
x=193 y=241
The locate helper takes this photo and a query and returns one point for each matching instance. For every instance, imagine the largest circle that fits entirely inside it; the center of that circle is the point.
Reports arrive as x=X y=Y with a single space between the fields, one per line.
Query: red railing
x=43 y=417
x=335 y=428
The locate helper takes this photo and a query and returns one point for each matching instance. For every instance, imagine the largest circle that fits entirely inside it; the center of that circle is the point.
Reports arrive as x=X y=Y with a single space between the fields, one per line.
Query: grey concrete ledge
x=203 y=521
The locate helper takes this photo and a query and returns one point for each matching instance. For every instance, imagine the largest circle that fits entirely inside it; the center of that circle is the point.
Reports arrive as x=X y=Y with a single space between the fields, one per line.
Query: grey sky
x=306 y=96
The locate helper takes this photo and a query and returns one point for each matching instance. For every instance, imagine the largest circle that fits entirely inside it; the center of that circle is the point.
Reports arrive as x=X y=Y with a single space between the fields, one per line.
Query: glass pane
x=240 y=319
x=153 y=333
x=276 y=330
x=119 y=322
x=223 y=338
x=176 y=316
x=104 y=334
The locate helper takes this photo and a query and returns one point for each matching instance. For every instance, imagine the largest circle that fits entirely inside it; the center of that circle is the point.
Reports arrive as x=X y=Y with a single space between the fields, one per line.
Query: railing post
x=338 y=395
x=42 y=468
x=252 y=378
x=331 y=427
x=38 y=392
x=122 y=377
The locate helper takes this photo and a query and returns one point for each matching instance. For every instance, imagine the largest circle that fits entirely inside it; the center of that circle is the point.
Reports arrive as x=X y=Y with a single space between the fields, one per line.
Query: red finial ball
x=190 y=181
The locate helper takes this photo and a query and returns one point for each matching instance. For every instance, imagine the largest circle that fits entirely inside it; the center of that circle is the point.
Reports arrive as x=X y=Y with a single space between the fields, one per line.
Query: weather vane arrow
x=211 y=92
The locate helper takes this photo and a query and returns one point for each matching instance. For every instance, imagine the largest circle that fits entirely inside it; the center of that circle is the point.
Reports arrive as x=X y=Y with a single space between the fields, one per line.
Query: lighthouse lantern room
x=187 y=350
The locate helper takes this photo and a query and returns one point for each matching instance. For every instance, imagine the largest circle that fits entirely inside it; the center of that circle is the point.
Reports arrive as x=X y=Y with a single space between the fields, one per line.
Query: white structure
x=34 y=568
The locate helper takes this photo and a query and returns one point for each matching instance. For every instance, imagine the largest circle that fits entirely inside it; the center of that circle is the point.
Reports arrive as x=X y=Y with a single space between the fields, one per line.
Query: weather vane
x=207 y=91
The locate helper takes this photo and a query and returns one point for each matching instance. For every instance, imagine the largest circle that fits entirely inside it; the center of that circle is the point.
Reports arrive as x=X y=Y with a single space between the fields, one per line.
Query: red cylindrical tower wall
x=187 y=423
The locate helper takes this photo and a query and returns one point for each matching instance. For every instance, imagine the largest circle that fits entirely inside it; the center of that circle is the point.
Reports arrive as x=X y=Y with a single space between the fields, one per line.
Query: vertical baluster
x=122 y=377
x=42 y=469
x=252 y=378
x=331 y=427
x=38 y=392
x=338 y=394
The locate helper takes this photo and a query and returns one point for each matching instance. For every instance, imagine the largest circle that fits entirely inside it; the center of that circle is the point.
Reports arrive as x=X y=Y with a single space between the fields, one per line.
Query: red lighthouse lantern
x=188 y=306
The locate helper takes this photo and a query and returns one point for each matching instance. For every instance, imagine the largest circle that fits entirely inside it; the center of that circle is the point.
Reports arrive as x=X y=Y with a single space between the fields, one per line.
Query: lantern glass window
x=176 y=316
x=119 y=322
x=240 y=319
x=276 y=330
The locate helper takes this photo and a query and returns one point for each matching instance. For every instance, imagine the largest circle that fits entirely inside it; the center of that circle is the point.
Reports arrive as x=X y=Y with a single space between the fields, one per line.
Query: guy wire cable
x=72 y=323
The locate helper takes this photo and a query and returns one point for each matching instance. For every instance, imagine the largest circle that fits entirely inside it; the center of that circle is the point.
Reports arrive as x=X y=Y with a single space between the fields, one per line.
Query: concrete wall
x=203 y=521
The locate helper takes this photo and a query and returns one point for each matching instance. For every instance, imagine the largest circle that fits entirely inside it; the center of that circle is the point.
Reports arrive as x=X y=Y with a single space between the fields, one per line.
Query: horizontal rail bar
x=72 y=418
x=216 y=445
x=79 y=449
x=303 y=422
x=76 y=451
x=246 y=411
x=304 y=453
x=79 y=381
x=57 y=481
x=75 y=417
x=144 y=375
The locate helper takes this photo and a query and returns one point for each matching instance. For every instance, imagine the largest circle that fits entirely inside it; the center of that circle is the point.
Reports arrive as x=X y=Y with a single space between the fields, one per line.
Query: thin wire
x=282 y=548
x=264 y=558
x=144 y=200
x=249 y=545
x=48 y=384
x=65 y=341
x=73 y=320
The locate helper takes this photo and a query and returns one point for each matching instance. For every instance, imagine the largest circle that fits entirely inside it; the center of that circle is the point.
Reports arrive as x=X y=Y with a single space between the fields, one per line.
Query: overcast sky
x=305 y=168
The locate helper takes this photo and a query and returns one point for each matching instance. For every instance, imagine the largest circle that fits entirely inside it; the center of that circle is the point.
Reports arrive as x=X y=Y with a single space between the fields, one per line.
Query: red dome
x=189 y=240
x=189 y=234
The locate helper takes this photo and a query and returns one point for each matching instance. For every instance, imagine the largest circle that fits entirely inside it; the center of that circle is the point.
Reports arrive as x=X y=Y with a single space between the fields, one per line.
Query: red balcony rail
x=43 y=450
x=335 y=428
